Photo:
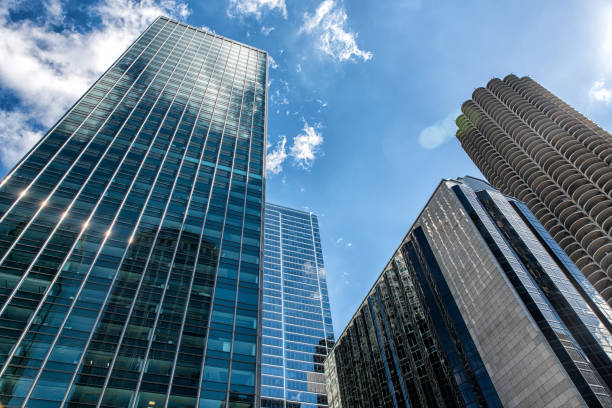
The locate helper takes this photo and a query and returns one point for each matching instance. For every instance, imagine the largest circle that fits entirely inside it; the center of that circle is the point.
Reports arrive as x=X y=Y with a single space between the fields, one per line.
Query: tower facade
x=297 y=325
x=130 y=235
x=475 y=309
x=532 y=146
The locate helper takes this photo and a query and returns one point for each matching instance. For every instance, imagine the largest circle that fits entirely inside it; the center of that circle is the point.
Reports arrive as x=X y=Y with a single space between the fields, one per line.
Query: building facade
x=531 y=145
x=475 y=309
x=297 y=325
x=130 y=235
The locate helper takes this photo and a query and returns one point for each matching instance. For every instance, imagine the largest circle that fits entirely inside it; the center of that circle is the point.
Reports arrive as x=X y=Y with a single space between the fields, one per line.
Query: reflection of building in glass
x=531 y=145
x=130 y=235
x=297 y=327
x=477 y=307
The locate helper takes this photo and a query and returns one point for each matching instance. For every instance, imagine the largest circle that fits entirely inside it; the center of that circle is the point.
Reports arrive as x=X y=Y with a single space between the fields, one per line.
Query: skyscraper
x=475 y=309
x=130 y=235
x=297 y=326
x=531 y=145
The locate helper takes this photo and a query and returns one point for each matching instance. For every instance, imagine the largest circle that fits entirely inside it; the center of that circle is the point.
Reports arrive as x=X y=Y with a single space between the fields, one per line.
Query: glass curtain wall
x=297 y=326
x=130 y=235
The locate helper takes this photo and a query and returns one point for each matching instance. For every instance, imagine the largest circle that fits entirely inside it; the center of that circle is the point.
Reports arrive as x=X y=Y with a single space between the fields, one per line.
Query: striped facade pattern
x=531 y=145
x=130 y=235
x=297 y=329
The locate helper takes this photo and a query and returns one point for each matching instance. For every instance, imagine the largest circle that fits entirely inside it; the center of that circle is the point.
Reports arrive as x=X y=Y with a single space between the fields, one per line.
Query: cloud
x=306 y=147
x=276 y=157
x=273 y=63
x=55 y=11
x=340 y=241
x=207 y=28
x=600 y=93
x=298 y=68
x=438 y=133
x=328 y=23
x=48 y=67
x=255 y=8
x=17 y=136
x=267 y=30
x=303 y=150
x=322 y=104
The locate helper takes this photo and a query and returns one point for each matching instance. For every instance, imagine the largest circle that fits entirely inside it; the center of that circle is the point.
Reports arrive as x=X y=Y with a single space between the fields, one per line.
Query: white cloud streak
x=600 y=93
x=272 y=61
x=48 y=68
x=276 y=157
x=17 y=136
x=267 y=30
x=439 y=133
x=207 y=28
x=242 y=8
x=306 y=146
x=328 y=23
x=304 y=149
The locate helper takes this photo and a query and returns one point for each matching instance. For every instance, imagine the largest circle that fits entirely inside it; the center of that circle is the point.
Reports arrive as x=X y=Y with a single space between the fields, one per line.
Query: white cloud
x=207 y=28
x=340 y=241
x=306 y=146
x=267 y=30
x=17 y=136
x=272 y=62
x=298 y=68
x=255 y=7
x=276 y=157
x=438 y=133
x=328 y=23
x=600 y=93
x=322 y=104
x=54 y=9
x=47 y=68
x=303 y=150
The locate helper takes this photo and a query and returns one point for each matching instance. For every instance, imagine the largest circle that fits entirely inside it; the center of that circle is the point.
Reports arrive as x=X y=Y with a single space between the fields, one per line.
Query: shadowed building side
x=475 y=309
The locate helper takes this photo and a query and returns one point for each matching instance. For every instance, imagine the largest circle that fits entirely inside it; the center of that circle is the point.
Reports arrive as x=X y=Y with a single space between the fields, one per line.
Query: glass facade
x=476 y=308
x=297 y=326
x=130 y=235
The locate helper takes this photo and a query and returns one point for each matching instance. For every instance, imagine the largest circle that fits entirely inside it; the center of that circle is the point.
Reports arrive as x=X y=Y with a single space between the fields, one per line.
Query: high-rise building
x=130 y=235
x=531 y=145
x=297 y=325
x=475 y=309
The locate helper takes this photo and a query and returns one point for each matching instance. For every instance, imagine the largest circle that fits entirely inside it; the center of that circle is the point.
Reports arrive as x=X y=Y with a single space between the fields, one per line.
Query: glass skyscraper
x=130 y=235
x=297 y=325
x=476 y=308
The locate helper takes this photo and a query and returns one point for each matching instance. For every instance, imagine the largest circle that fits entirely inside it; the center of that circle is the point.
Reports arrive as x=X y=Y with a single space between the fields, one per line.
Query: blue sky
x=362 y=94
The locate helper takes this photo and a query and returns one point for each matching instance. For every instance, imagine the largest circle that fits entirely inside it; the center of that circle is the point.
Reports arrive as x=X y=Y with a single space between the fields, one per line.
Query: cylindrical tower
x=533 y=146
